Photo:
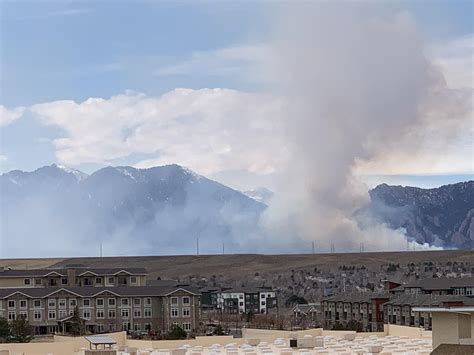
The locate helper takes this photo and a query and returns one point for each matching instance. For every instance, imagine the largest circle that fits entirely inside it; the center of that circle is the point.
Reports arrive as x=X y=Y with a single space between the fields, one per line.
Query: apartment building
x=240 y=300
x=74 y=276
x=463 y=286
x=306 y=315
x=372 y=311
x=365 y=309
x=400 y=310
x=105 y=299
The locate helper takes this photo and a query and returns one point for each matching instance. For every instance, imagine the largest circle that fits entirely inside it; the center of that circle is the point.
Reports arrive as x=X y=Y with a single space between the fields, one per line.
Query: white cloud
x=209 y=130
x=455 y=59
x=245 y=61
x=3 y=158
x=7 y=116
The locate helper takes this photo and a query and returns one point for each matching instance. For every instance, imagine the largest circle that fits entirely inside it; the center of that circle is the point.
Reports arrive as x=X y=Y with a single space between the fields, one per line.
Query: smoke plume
x=359 y=86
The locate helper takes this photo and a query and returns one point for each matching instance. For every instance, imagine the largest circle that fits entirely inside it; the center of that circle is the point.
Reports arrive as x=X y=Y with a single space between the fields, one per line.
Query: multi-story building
x=372 y=311
x=400 y=310
x=306 y=315
x=462 y=286
x=119 y=301
x=246 y=300
x=75 y=276
x=364 y=309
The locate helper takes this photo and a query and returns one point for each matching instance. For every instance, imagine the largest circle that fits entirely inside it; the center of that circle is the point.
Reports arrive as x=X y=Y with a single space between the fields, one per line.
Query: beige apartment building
x=74 y=276
x=106 y=300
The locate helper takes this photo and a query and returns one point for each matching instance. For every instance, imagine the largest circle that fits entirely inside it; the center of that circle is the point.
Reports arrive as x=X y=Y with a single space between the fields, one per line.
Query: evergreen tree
x=219 y=330
x=4 y=330
x=177 y=333
x=21 y=331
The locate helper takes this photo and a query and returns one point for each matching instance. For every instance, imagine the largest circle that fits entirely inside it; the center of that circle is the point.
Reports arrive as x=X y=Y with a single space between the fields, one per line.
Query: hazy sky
x=143 y=83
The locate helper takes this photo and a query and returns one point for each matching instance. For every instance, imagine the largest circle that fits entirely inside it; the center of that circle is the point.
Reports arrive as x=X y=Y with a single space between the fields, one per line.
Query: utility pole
x=223 y=248
x=312 y=245
x=197 y=246
x=101 y=249
x=333 y=249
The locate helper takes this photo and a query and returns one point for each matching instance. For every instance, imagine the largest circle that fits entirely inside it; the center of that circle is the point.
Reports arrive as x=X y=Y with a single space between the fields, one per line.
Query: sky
x=88 y=84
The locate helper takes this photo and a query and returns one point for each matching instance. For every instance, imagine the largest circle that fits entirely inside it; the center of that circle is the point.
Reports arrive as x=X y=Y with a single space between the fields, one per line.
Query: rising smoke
x=359 y=86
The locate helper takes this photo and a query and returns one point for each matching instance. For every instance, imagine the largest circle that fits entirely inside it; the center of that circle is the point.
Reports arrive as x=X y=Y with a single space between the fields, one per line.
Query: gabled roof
x=63 y=272
x=119 y=291
x=306 y=308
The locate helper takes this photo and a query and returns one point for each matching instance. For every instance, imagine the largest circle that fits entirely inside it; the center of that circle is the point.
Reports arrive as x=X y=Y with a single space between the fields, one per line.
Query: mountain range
x=56 y=210
x=162 y=210
x=442 y=216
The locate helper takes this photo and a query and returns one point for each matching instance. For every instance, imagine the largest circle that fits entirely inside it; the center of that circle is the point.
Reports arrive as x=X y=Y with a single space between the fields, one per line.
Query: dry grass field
x=240 y=265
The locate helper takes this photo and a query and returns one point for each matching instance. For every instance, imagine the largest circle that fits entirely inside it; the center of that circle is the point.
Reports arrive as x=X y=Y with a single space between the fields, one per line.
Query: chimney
x=71 y=277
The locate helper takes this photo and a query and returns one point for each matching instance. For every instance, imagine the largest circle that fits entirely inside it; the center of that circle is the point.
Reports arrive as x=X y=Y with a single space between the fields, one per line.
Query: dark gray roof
x=63 y=272
x=248 y=289
x=356 y=297
x=428 y=300
x=440 y=283
x=121 y=291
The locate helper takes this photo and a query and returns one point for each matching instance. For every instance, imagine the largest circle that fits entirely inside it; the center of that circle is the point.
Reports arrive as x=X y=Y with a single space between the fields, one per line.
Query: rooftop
x=64 y=271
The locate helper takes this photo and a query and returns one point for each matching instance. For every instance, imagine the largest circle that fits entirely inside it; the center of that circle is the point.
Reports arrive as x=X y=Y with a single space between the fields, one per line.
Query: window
x=64 y=281
x=137 y=302
x=125 y=326
x=27 y=282
x=36 y=303
x=147 y=312
x=111 y=313
x=137 y=326
x=186 y=300
x=100 y=328
x=174 y=300
x=87 y=281
x=125 y=313
x=62 y=303
x=86 y=314
x=23 y=303
x=241 y=304
x=122 y=280
x=62 y=313
x=71 y=312
x=174 y=313
x=72 y=302
x=11 y=315
x=262 y=296
x=137 y=313
x=38 y=282
x=241 y=297
x=133 y=279
x=98 y=280
x=51 y=314
x=53 y=282
x=111 y=280
x=51 y=302
x=86 y=302
x=187 y=312
x=147 y=326
x=148 y=301
x=124 y=302
x=11 y=304
x=187 y=326
x=111 y=302
x=37 y=315
x=24 y=315
x=263 y=303
x=99 y=302
x=100 y=314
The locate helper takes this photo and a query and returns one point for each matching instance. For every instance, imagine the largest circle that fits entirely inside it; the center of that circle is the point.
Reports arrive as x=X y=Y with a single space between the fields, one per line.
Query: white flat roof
x=444 y=310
